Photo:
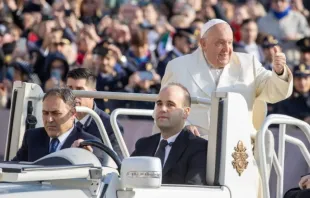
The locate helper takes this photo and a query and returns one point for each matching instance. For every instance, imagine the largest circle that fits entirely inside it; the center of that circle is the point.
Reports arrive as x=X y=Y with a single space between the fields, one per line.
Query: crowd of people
x=127 y=44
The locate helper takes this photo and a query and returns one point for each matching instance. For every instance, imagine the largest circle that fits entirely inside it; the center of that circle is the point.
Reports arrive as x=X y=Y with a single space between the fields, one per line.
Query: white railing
x=282 y=120
x=102 y=130
x=117 y=131
x=125 y=96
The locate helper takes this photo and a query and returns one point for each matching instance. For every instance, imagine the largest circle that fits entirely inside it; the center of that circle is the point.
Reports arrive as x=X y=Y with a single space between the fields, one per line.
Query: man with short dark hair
x=84 y=79
x=59 y=132
x=183 y=155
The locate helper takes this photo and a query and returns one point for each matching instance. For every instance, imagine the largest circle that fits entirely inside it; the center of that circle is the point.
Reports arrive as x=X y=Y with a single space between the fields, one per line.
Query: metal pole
x=102 y=130
x=126 y=96
x=116 y=129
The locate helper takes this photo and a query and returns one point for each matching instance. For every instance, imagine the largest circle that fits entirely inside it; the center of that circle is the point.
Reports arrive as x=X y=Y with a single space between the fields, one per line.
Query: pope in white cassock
x=215 y=67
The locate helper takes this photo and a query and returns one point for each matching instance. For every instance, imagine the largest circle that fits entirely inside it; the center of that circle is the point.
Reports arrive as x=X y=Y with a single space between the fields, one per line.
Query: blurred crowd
x=127 y=44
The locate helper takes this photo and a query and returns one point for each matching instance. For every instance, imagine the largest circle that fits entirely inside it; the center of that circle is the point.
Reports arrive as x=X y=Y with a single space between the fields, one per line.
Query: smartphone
x=146 y=75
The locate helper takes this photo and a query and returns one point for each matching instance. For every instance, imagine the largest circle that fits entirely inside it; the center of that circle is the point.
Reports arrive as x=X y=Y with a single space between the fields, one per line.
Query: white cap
x=210 y=24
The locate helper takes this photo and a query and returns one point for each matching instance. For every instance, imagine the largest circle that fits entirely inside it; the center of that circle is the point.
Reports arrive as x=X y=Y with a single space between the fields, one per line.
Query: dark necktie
x=160 y=153
x=79 y=125
x=53 y=145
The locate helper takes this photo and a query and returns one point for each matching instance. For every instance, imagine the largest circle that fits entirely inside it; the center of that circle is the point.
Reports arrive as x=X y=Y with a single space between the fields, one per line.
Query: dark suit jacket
x=36 y=144
x=90 y=127
x=186 y=163
x=297 y=193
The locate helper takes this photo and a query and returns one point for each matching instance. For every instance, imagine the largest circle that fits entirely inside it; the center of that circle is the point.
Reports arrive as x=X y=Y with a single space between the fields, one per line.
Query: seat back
x=230 y=159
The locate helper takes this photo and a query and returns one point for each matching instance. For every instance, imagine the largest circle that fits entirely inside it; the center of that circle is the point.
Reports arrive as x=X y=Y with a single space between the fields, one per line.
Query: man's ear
x=186 y=112
x=73 y=111
x=202 y=43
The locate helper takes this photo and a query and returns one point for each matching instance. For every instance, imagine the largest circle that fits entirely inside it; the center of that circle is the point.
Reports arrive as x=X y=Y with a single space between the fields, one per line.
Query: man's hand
x=305 y=182
x=193 y=129
x=76 y=144
x=279 y=61
x=3 y=90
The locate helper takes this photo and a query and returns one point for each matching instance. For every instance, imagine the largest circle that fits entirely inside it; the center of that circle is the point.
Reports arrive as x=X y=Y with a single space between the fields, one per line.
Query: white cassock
x=244 y=74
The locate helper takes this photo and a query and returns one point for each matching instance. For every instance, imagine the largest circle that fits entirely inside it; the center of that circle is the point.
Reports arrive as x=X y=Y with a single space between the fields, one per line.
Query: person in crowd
x=268 y=43
x=84 y=79
x=57 y=69
x=298 y=105
x=287 y=26
x=59 y=131
x=111 y=76
x=184 y=42
x=182 y=155
x=247 y=44
x=304 y=47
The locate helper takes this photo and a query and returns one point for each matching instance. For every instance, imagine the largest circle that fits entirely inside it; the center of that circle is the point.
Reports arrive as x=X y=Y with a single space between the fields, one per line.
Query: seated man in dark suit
x=83 y=79
x=303 y=191
x=59 y=132
x=183 y=155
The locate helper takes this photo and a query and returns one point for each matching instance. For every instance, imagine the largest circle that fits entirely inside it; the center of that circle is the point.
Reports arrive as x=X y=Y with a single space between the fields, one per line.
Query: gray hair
x=64 y=93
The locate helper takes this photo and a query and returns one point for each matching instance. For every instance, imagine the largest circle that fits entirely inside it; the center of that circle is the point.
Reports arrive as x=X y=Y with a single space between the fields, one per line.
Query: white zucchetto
x=210 y=24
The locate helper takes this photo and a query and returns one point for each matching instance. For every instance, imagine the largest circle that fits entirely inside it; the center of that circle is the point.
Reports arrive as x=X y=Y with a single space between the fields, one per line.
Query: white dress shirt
x=216 y=73
x=177 y=52
x=168 y=147
x=62 y=138
x=83 y=120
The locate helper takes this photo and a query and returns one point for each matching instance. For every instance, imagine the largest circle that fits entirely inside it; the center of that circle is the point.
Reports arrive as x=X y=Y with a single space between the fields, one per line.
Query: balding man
x=215 y=67
x=183 y=155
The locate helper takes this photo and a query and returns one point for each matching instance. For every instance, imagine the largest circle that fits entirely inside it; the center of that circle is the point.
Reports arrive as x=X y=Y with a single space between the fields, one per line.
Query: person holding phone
x=111 y=75
x=57 y=69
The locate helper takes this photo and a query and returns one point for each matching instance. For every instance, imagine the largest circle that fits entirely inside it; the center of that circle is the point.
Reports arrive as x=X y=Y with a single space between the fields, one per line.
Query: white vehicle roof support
x=102 y=130
x=128 y=96
x=279 y=163
x=117 y=131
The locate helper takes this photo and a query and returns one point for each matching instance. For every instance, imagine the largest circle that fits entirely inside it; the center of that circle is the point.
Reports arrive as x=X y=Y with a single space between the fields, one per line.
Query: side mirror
x=141 y=172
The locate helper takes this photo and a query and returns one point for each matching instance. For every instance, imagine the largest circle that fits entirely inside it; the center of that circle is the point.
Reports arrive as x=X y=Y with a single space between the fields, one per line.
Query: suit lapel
x=201 y=73
x=151 y=148
x=176 y=151
x=230 y=74
x=44 y=145
x=71 y=138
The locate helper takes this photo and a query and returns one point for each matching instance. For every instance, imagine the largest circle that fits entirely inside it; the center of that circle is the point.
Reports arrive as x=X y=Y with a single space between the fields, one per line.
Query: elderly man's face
x=279 y=5
x=58 y=117
x=217 y=45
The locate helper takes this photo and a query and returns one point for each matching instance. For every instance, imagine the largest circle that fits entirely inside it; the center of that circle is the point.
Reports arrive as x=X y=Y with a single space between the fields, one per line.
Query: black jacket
x=186 y=163
x=36 y=144
x=90 y=127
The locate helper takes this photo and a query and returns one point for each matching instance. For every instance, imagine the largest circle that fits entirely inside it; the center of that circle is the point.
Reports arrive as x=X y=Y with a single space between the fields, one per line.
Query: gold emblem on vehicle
x=240 y=156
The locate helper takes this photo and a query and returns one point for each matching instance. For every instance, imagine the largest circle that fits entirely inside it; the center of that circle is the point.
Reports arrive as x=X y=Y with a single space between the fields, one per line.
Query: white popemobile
x=232 y=168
